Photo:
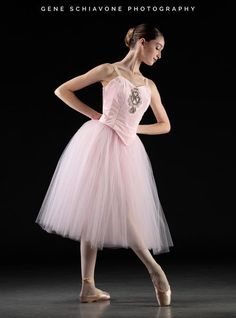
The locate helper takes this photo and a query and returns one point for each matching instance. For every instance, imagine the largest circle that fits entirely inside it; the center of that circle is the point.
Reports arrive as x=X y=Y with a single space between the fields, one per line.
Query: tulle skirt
x=103 y=191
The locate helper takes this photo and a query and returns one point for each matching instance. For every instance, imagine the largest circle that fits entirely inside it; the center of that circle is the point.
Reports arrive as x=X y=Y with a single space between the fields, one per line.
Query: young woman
x=103 y=191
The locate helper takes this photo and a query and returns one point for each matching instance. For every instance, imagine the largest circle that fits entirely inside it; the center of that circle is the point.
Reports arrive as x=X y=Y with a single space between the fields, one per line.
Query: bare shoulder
x=153 y=86
x=98 y=73
x=106 y=69
x=106 y=73
x=151 y=83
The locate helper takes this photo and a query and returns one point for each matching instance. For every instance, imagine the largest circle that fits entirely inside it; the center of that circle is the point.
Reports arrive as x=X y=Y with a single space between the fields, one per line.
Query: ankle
x=155 y=270
x=88 y=281
x=87 y=287
x=160 y=280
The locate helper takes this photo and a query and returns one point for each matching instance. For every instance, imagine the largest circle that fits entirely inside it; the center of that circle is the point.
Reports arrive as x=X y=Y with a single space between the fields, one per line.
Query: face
x=152 y=50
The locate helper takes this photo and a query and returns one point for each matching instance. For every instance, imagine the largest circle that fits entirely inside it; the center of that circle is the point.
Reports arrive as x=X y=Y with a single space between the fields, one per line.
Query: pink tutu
x=103 y=189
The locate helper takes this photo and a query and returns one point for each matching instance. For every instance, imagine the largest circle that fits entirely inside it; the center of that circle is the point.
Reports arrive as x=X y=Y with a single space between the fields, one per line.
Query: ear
x=141 y=41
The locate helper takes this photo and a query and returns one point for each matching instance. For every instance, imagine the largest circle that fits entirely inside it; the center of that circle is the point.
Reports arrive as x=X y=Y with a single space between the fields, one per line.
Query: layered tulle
x=104 y=192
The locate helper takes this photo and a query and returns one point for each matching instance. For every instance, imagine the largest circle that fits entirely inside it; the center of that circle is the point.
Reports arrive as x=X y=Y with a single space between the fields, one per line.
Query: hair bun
x=129 y=36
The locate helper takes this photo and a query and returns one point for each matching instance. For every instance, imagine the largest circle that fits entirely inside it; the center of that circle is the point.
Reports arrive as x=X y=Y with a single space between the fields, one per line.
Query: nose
x=159 y=55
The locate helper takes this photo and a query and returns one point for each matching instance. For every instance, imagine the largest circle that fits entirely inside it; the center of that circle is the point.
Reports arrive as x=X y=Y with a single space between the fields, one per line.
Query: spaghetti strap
x=116 y=69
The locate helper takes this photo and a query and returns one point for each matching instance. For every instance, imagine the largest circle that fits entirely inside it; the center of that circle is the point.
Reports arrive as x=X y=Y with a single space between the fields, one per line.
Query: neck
x=131 y=62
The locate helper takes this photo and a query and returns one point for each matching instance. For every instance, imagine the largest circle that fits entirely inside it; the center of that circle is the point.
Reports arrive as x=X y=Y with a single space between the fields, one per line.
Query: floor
x=201 y=289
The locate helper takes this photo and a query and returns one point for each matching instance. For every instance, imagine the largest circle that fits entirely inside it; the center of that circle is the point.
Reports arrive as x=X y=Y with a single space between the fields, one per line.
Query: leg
x=160 y=282
x=88 y=261
x=152 y=266
x=158 y=277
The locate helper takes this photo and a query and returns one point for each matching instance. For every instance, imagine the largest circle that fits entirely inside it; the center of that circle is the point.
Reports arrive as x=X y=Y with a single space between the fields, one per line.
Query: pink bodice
x=123 y=106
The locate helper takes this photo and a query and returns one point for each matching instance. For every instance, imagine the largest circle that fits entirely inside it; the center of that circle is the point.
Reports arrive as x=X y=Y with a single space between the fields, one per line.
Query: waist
x=126 y=132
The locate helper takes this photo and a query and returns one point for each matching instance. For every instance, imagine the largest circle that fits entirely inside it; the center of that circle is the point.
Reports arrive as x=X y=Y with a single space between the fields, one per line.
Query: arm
x=162 y=125
x=66 y=91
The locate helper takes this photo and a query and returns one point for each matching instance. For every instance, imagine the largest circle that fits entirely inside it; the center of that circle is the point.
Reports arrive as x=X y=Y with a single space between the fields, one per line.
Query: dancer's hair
x=146 y=31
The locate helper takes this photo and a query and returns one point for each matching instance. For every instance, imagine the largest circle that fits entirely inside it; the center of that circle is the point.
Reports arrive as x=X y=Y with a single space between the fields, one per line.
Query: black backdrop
x=193 y=164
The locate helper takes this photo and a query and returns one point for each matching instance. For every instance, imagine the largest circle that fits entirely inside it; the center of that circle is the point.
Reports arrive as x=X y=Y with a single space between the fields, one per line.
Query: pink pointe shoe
x=163 y=296
x=99 y=296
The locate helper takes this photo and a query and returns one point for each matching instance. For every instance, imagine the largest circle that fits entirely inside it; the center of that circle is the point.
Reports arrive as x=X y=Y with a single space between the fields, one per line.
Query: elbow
x=61 y=91
x=167 y=128
x=58 y=91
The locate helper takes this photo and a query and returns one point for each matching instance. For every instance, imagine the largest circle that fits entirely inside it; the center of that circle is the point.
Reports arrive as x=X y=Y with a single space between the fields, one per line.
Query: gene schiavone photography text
x=178 y=8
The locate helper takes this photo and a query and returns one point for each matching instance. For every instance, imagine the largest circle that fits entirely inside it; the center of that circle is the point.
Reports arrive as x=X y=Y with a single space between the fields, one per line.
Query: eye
x=159 y=47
